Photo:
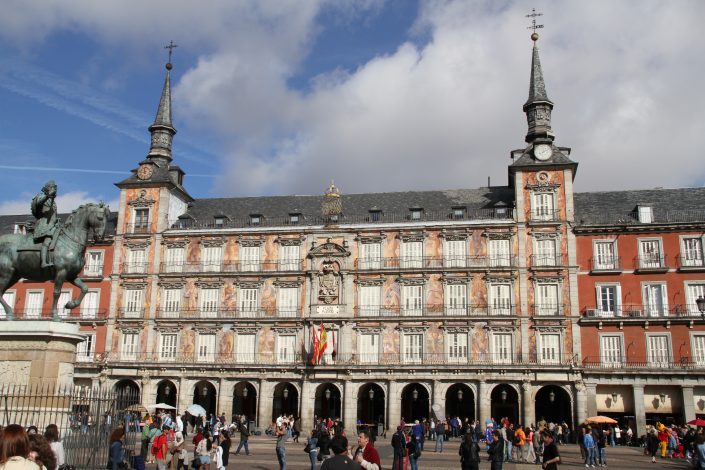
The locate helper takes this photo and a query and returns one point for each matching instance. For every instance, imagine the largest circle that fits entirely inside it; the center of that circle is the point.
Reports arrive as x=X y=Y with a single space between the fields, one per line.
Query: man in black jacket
x=399 y=447
x=496 y=451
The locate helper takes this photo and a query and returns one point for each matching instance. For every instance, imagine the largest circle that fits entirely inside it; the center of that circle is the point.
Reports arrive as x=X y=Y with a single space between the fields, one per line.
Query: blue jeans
x=508 y=450
x=414 y=462
x=281 y=457
x=439 y=440
x=603 y=457
x=591 y=456
x=313 y=455
x=241 y=445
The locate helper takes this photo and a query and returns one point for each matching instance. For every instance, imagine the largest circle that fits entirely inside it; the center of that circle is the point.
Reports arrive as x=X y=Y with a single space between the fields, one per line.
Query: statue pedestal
x=38 y=352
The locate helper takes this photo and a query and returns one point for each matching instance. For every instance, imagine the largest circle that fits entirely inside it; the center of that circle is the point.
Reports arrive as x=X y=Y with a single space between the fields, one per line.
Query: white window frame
x=651 y=310
x=133 y=307
x=617 y=312
x=457 y=352
x=663 y=359
x=245 y=357
x=649 y=260
x=208 y=307
x=205 y=342
x=167 y=352
x=211 y=258
x=602 y=262
x=614 y=359
x=286 y=356
x=690 y=259
x=455 y=253
x=542 y=348
x=412 y=306
x=88 y=311
x=697 y=351
x=85 y=350
x=499 y=306
x=64 y=297
x=456 y=299
x=691 y=303
x=541 y=210
x=10 y=297
x=370 y=356
x=288 y=302
x=129 y=349
x=248 y=302
x=136 y=260
x=370 y=255
x=94 y=268
x=411 y=254
x=34 y=311
x=171 y=302
x=499 y=252
x=546 y=252
x=137 y=227
x=547 y=306
x=248 y=261
x=369 y=300
x=289 y=257
x=505 y=354
x=175 y=257
x=412 y=353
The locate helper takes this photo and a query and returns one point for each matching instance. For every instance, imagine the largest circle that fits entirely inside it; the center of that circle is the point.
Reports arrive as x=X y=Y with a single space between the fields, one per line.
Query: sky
x=279 y=97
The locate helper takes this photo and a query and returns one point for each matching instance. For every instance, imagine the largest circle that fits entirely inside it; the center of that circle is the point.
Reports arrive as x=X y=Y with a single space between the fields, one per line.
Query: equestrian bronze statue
x=61 y=258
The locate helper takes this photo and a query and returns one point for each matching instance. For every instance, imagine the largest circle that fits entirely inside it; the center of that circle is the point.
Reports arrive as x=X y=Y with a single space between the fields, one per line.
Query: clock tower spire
x=538 y=107
x=162 y=129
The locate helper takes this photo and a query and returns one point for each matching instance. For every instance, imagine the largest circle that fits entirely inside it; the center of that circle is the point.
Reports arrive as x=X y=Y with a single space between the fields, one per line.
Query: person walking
x=313 y=448
x=589 y=443
x=162 y=449
x=551 y=457
x=469 y=452
x=520 y=441
x=177 y=451
x=413 y=450
x=601 y=446
x=281 y=436
x=496 y=451
x=440 y=435
x=244 y=437
x=116 y=454
x=399 y=448
x=652 y=444
x=225 y=444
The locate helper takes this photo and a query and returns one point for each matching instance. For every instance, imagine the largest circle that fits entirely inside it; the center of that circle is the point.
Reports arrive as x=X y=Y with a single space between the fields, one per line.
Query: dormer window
x=20 y=228
x=294 y=218
x=416 y=213
x=645 y=214
x=255 y=219
x=459 y=212
x=219 y=221
x=375 y=214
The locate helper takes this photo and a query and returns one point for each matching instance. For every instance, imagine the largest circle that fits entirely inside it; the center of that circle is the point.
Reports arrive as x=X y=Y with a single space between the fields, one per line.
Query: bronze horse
x=20 y=256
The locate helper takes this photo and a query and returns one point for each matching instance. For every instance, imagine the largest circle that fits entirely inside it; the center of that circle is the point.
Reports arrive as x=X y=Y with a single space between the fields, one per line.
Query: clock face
x=543 y=152
x=144 y=172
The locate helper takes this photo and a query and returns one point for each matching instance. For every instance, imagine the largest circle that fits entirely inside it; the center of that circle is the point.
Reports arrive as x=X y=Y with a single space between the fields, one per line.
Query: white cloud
x=625 y=78
x=65 y=203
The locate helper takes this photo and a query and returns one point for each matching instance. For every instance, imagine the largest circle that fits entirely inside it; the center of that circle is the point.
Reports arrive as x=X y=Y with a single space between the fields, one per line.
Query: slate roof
x=680 y=205
x=203 y=211
x=7 y=222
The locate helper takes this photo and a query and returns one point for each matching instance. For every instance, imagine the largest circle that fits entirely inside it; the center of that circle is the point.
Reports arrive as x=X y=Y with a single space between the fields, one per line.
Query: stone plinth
x=38 y=352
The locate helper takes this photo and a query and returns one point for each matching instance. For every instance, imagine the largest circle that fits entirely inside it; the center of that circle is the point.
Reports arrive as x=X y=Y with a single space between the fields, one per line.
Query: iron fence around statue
x=86 y=418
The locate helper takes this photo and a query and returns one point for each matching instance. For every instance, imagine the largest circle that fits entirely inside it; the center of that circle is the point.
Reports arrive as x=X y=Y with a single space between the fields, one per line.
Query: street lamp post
x=460 y=400
x=371 y=394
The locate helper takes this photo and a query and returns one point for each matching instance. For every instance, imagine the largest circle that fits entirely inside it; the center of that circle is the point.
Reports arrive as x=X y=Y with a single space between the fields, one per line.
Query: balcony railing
x=544 y=216
x=129 y=313
x=93 y=270
x=606 y=264
x=222 y=313
x=364 y=359
x=232 y=266
x=691 y=262
x=643 y=311
x=436 y=310
x=134 y=268
x=659 y=216
x=344 y=219
x=630 y=363
x=139 y=228
x=72 y=316
x=436 y=262
x=547 y=261
x=547 y=310
x=656 y=262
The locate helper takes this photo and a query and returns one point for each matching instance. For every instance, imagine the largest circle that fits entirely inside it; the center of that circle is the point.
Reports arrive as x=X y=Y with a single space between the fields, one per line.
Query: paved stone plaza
x=263 y=457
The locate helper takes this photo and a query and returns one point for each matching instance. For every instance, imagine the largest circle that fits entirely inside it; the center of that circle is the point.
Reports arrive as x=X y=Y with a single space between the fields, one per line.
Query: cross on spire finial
x=534 y=26
x=171 y=47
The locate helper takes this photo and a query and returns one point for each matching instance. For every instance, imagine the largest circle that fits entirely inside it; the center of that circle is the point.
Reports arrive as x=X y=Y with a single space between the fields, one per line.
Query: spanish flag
x=322 y=343
x=314 y=349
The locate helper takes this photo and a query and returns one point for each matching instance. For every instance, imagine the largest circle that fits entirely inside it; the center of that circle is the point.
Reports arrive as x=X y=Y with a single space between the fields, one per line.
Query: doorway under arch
x=505 y=403
x=371 y=404
x=328 y=403
x=415 y=404
x=127 y=393
x=166 y=393
x=204 y=394
x=285 y=400
x=245 y=401
x=553 y=405
x=460 y=401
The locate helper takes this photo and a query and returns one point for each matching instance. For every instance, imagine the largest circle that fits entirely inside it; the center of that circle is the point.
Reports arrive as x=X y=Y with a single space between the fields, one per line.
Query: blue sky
x=279 y=97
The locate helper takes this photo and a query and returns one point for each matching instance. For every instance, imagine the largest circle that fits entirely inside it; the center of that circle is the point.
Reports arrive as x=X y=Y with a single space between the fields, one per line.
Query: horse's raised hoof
x=71 y=304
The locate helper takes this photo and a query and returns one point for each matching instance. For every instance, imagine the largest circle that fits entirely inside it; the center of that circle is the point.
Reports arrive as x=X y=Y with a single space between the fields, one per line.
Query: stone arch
x=328 y=401
x=285 y=399
x=415 y=402
x=245 y=400
x=460 y=401
x=205 y=394
x=127 y=392
x=167 y=392
x=371 y=407
x=504 y=402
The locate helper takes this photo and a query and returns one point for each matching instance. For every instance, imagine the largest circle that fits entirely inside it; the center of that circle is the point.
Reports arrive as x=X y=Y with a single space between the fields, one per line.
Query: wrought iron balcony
x=232 y=267
x=211 y=314
x=435 y=262
x=544 y=261
x=691 y=262
x=180 y=358
x=78 y=315
x=130 y=313
x=606 y=264
x=547 y=310
x=651 y=263
x=139 y=228
x=436 y=310
x=626 y=311
x=658 y=216
x=540 y=216
x=655 y=363
x=134 y=268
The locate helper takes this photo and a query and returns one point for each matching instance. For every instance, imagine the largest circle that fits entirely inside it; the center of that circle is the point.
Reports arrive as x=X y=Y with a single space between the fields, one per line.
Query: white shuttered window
x=208 y=300
x=206 y=347
x=286 y=345
x=370 y=300
x=413 y=348
x=611 y=350
x=33 y=304
x=167 y=346
x=370 y=256
x=547 y=299
x=455 y=253
x=130 y=346
x=411 y=298
x=546 y=253
x=175 y=259
x=605 y=257
x=456 y=296
x=289 y=257
x=692 y=293
x=288 y=301
x=692 y=252
x=502 y=348
x=499 y=252
x=368 y=350
x=137 y=260
x=412 y=254
x=658 y=350
x=64 y=297
x=549 y=348
x=699 y=350
x=457 y=347
x=500 y=300
x=171 y=303
x=655 y=300
x=134 y=303
x=246 y=348
x=211 y=258
x=249 y=258
x=248 y=302
x=89 y=306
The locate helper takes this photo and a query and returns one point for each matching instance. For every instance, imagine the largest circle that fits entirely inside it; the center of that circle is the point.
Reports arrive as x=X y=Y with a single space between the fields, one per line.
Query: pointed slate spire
x=162 y=130
x=538 y=107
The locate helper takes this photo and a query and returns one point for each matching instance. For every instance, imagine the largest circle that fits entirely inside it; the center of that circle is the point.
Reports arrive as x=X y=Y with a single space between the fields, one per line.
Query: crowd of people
x=27 y=449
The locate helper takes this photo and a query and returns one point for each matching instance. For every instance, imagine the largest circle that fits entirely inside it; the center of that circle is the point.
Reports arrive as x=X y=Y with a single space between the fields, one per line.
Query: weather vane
x=534 y=26
x=171 y=47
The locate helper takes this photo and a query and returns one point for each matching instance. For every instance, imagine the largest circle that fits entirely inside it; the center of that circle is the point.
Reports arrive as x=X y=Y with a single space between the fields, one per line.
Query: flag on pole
x=322 y=343
x=314 y=349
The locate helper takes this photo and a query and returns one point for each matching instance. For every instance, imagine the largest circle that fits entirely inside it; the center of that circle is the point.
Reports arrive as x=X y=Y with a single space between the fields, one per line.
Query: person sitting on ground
x=341 y=460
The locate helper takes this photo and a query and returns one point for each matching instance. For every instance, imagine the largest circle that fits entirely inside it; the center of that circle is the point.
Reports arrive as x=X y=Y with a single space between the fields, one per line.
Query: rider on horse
x=44 y=209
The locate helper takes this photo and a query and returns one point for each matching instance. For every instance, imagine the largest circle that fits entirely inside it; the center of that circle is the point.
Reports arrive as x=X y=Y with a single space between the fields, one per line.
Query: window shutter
x=175 y=259
x=412 y=298
x=287 y=302
x=246 y=348
x=455 y=253
x=699 y=349
x=456 y=299
x=248 y=302
x=64 y=297
x=208 y=302
x=250 y=258
x=89 y=306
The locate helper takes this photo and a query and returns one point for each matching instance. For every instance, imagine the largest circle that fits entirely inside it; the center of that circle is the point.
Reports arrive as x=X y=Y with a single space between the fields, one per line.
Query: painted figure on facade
x=25 y=256
x=44 y=210
x=328 y=283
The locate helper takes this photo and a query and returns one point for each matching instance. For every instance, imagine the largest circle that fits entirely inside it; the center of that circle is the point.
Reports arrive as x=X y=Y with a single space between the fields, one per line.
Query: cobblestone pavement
x=263 y=457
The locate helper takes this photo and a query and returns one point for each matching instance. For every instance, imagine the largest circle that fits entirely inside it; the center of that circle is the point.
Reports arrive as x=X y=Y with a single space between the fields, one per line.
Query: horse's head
x=98 y=216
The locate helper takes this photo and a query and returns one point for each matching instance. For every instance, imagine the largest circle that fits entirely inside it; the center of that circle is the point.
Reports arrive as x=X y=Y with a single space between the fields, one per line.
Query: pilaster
x=349 y=407
x=394 y=403
x=527 y=403
x=225 y=398
x=580 y=403
x=308 y=400
x=688 y=403
x=639 y=409
x=264 y=415
x=591 y=397
x=484 y=410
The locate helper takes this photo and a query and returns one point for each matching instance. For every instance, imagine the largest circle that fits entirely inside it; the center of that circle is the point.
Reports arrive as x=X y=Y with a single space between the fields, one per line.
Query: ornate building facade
x=464 y=299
